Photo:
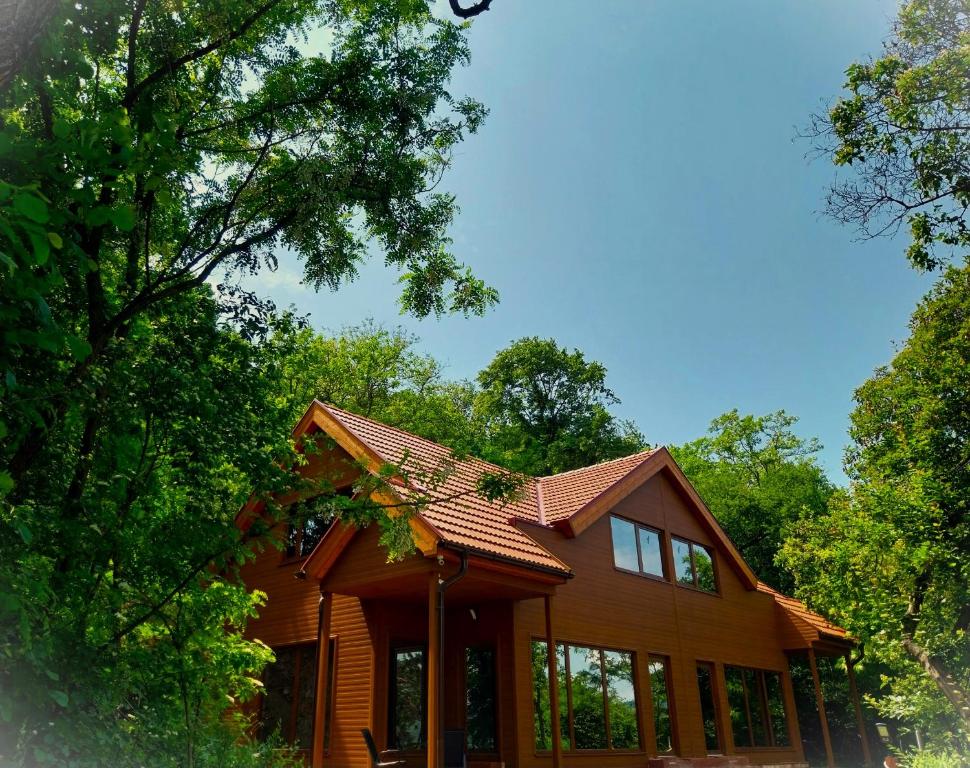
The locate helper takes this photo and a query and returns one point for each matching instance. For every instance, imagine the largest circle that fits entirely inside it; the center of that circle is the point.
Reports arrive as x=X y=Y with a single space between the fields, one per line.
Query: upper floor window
x=636 y=547
x=694 y=565
x=308 y=521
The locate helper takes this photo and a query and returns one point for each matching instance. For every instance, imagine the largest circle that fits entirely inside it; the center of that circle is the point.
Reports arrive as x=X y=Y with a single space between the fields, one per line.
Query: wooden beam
x=434 y=737
x=323 y=673
x=860 y=722
x=820 y=703
x=553 y=687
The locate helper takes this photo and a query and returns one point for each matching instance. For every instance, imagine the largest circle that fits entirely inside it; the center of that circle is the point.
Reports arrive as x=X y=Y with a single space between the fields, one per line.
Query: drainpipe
x=442 y=588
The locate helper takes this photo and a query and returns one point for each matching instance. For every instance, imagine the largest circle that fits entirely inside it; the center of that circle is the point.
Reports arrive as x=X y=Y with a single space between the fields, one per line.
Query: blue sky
x=637 y=192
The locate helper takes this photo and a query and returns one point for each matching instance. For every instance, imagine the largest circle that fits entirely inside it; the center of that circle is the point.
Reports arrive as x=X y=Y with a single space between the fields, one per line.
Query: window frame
x=665 y=575
x=693 y=566
x=495 y=698
x=711 y=667
x=671 y=709
x=393 y=650
x=286 y=556
x=763 y=700
x=566 y=688
x=289 y=733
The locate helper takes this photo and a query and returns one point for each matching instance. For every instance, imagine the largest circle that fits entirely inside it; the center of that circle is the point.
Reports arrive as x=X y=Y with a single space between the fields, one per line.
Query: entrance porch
x=441 y=636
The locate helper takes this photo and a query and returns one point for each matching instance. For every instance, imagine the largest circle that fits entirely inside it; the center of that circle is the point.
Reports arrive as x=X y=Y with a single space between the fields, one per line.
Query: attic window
x=637 y=548
x=309 y=520
x=694 y=565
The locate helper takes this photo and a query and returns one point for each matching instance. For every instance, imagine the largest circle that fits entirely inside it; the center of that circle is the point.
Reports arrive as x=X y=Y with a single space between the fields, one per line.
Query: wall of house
x=602 y=606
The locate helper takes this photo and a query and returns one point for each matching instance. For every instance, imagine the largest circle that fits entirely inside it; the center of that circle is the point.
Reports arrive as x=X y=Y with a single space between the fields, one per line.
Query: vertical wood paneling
x=605 y=607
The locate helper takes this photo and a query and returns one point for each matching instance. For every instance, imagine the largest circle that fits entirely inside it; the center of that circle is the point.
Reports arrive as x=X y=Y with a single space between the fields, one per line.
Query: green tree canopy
x=904 y=128
x=891 y=558
x=757 y=476
x=147 y=151
x=377 y=372
x=545 y=410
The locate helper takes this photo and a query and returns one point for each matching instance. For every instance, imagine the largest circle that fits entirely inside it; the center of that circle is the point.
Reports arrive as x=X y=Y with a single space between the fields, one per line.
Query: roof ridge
x=645 y=454
x=331 y=407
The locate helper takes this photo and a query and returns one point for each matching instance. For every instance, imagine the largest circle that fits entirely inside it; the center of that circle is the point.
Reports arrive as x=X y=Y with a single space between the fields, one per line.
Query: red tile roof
x=561 y=496
x=457 y=512
x=800 y=610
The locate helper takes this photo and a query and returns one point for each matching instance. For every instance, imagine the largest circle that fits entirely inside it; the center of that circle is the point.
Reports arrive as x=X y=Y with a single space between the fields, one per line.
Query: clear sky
x=637 y=192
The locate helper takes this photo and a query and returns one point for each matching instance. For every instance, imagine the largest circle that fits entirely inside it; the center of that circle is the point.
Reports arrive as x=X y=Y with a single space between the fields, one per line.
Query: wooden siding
x=290 y=616
x=602 y=606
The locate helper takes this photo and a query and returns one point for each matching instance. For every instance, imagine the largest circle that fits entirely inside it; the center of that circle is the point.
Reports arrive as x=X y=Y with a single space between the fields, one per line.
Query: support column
x=434 y=736
x=323 y=674
x=829 y=757
x=553 y=687
x=860 y=722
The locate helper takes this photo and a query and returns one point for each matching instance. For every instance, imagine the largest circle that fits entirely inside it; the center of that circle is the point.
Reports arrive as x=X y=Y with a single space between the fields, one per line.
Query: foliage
x=891 y=558
x=924 y=758
x=904 y=127
x=376 y=372
x=544 y=410
x=757 y=477
x=146 y=152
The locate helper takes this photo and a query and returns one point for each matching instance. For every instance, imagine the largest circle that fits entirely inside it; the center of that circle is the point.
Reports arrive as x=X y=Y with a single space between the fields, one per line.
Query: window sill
x=698 y=590
x=642 y=575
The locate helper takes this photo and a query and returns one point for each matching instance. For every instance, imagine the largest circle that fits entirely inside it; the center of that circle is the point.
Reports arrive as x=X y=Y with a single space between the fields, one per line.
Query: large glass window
x=660 y=696
x=597 y=698
x=540 y=695
x=757 y=707
x=480 y=699
x=289 y=693
x=705 y=686
x=694 y=564
x=407 y=713
x=636 y=547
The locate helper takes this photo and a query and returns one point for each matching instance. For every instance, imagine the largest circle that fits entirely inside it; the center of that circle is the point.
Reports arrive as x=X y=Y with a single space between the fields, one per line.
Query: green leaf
x=24 y=531
x=60 y=697
x=6 y=483
x=79 y=347
x=31 y=206
x=61 y=129
x=42 y=248
x=55 y=240
x=123 y=218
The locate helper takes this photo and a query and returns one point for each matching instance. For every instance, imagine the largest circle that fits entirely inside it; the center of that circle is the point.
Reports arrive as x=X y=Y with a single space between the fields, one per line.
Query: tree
x=544 y=410
x=377 y=372
x=184 y=147
x=145 y=154
x=904 y=128
x=757 y=477
x=891 y=558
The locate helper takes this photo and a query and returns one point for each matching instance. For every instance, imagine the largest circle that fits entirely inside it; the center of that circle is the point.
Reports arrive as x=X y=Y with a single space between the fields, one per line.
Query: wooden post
x=434 y=660
x=860 y=722
x=553 y=688
x=323 y=673
x=829 y=757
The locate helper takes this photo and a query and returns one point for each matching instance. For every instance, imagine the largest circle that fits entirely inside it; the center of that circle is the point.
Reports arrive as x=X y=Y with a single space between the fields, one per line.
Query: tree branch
x=473 y=10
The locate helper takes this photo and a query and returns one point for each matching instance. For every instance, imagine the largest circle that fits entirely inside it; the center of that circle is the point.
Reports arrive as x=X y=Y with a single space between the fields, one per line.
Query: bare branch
x=473 y=10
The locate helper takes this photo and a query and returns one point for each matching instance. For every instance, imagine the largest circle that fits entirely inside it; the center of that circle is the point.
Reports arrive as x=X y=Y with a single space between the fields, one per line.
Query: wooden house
x=601 y=619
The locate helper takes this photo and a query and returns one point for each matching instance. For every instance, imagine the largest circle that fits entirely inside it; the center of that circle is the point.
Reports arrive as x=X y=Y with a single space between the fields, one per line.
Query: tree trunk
x=22 y=22
x=958 y=697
